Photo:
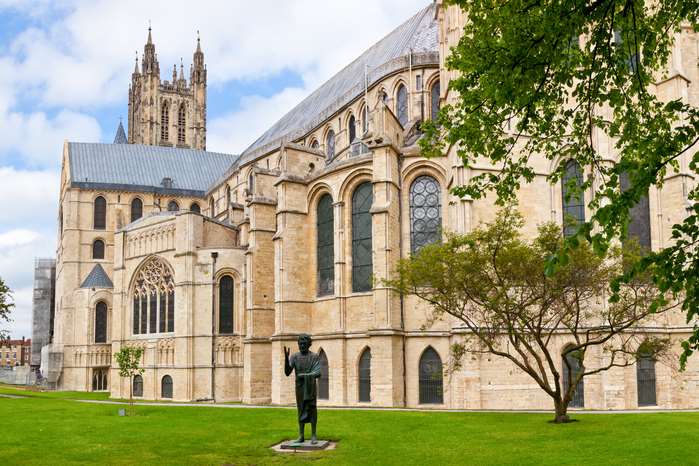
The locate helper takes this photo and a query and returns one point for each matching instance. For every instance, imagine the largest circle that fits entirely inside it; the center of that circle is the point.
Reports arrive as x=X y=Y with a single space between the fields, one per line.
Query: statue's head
x=304 y=342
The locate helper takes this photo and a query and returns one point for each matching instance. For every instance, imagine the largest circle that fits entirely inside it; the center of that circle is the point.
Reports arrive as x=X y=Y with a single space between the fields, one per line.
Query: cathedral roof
x=136 y=167
x=418 y=36
x=120 y=137
x=97 y=278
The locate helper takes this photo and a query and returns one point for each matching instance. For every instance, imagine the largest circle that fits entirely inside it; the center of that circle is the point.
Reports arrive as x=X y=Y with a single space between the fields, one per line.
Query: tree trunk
x=561 y=412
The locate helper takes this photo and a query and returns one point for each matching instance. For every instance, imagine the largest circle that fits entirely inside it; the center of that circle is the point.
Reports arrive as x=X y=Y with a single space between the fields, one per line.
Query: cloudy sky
x=65 y=68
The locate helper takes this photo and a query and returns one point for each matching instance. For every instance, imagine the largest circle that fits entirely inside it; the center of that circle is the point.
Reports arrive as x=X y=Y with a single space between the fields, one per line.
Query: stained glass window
x=101 y=322
x=325 y=251
x=154 y=292
x=98 y=249
x=365 y=375
x=434 y=100
x=225 y=304
x=431 y=377
x=330 y=144
x=136 y=209
x=99 y=219
x=572 y=198
x=362 y=261
x=351 y=129
x=402 y=104
x=425 y=212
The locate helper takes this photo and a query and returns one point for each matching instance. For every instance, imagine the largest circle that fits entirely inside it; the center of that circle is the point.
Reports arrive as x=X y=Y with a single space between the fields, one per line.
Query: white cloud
x=233 y=132
x=30 y=198
x=18 y=237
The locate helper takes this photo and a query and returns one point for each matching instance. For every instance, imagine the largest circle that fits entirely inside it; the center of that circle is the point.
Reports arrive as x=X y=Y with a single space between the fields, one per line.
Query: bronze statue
x=307 y=367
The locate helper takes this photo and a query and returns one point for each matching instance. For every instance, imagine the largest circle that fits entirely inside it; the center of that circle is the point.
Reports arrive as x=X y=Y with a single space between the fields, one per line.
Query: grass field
x=52 y=428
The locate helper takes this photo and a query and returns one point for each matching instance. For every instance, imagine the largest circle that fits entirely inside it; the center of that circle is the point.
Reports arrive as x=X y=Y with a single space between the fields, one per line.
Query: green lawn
x=49 y=428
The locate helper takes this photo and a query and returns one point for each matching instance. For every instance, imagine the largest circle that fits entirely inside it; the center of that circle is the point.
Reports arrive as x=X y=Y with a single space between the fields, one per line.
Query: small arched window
x=195 y=208
x=101 y=322
x=330 y=144
x=251 y=183
x=365 y=376
x=425 y=212
x=137 y=385
x=99 y=213
x=98 y=249
x=324 y=379
x=645 y=380
x=362 y=260
x=211 y=207
x=434 y=100
x=315 y=144
x=225 y=304
x=569 y=376
x=99 y=380
x=402 y=104
x=165 y=122
x=325 y=250
x=228 y=197
x=166 y=387
x=572 y=198
x=431 y=377
x=351 y=129
x=172 y=206
x=136 y=209
x=181 y=125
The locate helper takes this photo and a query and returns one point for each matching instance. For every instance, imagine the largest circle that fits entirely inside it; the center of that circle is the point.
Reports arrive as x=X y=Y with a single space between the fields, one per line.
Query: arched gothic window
x=351 y=129
x=173 y=206
x=431 y=377
x=325 y=250
x=154 y=298
x=315 y=144
x=362 y=260
x=425 y=212
x=181 y=125
x=166 y=387
x=330 y=144
x=225 y=304
x=572 y=198
x=578 y=399
x=137 y=385
x=434 y=100
x=324 y=379
x=101 y=322
x=365 y=375
x=645 y=380
x=98 y=249
x=165 y=122
x=639 y=222
x=211 y=207
x=195 y=208
x=136 y=209
x=99 y=213
x=402 y=105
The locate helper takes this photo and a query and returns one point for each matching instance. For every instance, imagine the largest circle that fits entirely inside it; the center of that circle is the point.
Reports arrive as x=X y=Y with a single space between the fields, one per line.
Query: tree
x=545 y=79
x=129 y=358
x=493 y=282
x=6 y=306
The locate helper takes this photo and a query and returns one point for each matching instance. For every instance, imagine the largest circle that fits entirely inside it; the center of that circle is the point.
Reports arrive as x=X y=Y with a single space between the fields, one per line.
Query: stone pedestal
x=292 y=445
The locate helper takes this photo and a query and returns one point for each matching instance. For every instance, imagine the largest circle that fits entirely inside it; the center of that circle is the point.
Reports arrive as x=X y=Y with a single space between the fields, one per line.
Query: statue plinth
x=305 y=446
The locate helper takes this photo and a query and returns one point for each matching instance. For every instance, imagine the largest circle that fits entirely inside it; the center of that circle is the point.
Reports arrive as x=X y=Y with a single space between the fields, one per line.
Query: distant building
x=43 y=306
x=15 y=352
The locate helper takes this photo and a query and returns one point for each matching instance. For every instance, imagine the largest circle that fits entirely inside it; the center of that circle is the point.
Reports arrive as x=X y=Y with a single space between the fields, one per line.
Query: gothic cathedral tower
x=168 y=113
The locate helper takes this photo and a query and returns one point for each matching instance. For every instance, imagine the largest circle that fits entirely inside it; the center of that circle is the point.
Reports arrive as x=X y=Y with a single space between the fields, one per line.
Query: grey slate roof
x=136 y=167
x=97 y=278
x=120 y=137
x=417 y=35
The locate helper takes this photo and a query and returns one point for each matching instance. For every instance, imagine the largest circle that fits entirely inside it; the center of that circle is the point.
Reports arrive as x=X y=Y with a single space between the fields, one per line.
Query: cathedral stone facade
x=214 y=262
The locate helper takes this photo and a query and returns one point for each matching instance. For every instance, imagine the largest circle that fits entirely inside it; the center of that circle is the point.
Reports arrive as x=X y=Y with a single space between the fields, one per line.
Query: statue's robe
x=307 y=367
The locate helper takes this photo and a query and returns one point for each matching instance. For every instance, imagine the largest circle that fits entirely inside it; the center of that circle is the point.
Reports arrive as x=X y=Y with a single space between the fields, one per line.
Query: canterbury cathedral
x=213 y=262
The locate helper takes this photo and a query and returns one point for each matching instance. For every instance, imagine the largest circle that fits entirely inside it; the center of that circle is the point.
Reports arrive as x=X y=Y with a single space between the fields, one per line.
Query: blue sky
x=65 y=68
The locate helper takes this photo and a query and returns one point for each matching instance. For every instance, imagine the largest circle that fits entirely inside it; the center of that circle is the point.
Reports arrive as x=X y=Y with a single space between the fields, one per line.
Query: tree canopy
x=492 y=280
x=6 y=306
x=545 y=79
